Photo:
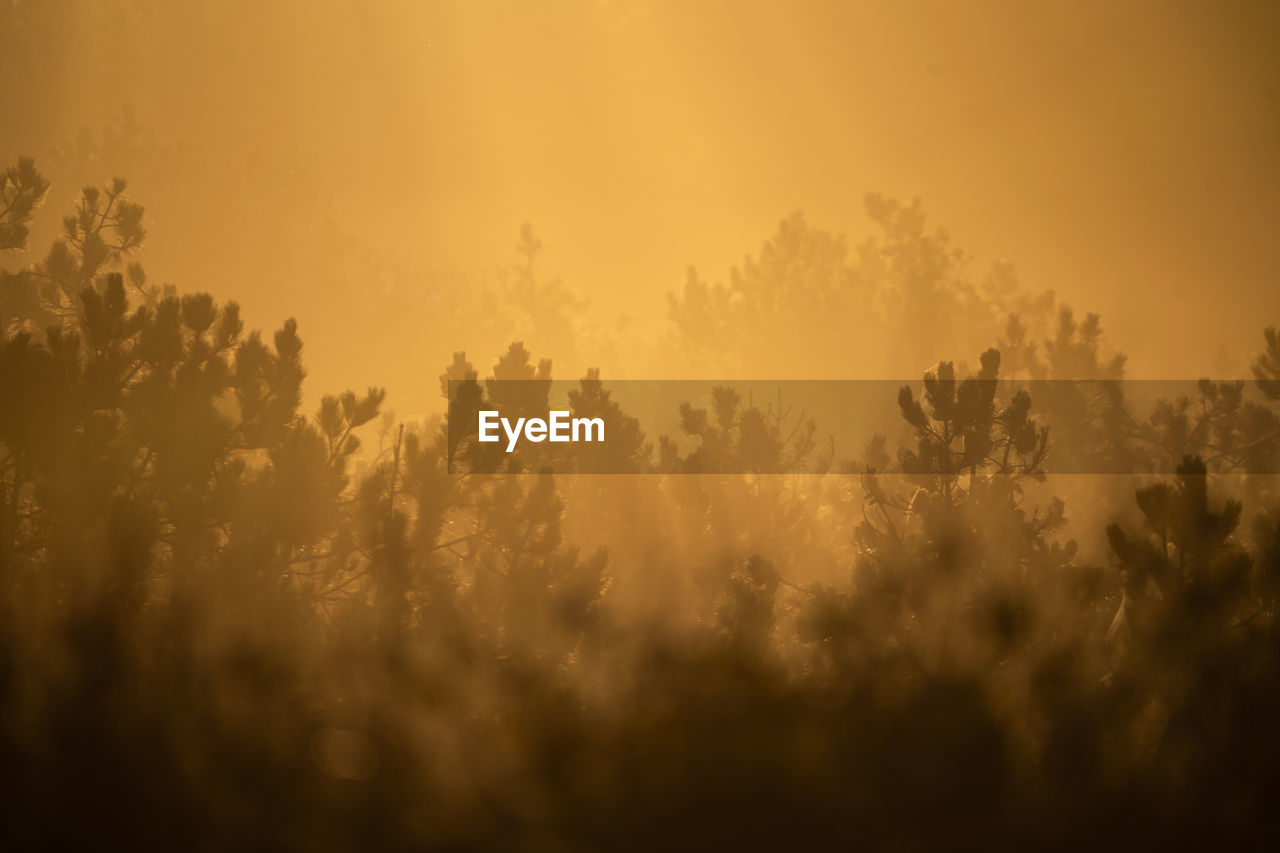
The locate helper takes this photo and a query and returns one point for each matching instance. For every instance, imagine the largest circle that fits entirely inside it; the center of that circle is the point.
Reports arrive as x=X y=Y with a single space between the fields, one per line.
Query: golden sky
x=1124 y=154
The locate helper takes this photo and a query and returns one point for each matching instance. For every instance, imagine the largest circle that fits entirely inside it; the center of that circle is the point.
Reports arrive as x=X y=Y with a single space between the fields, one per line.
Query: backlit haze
x=301 y=156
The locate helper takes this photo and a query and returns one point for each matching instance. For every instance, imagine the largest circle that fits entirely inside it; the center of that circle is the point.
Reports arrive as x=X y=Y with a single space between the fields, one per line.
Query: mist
x=299 y=157
x=934 y=353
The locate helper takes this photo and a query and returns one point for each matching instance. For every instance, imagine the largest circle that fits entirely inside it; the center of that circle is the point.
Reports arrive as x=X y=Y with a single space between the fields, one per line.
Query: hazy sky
x=1124 y=154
